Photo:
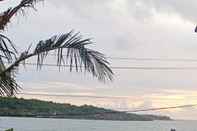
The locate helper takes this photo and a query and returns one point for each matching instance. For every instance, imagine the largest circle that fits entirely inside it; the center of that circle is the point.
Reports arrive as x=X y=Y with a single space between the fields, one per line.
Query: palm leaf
x=8 y=85
x=70 y=49
x=77 y=55
x=8 y=14
x=7 y=48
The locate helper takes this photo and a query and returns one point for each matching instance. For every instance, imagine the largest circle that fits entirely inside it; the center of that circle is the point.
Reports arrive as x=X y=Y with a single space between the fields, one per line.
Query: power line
x=163 y=108
x=155 y=109
x=154 y=68
x=154 y=59
x=148 y=59
x=145 y=58
x=76 y=96
x=126 y=68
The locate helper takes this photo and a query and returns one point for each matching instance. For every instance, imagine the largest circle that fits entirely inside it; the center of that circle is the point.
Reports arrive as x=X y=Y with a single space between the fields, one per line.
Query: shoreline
x=85 y=119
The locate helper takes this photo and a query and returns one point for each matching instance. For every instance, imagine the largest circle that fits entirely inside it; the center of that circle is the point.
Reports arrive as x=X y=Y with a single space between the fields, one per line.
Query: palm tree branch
x=6 y=16
x=7 y=48
x=77 y=55
x=8 y=85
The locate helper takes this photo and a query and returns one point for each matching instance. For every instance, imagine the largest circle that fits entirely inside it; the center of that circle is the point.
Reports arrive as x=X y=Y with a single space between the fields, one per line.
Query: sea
x=45 y=124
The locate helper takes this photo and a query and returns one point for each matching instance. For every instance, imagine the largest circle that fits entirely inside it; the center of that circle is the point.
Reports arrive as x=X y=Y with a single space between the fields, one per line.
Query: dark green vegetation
x=11 y=129
x=36 y=108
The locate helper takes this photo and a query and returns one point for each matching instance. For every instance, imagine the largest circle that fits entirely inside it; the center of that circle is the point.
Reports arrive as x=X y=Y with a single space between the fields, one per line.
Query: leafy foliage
x=6 y=16
x=70 y=49
x=11 y=129
x=36 y=108
x=77 y=55
x=7 y=48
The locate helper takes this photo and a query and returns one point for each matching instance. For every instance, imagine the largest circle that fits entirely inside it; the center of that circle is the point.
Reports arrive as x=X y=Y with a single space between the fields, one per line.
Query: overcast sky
x=119 y=28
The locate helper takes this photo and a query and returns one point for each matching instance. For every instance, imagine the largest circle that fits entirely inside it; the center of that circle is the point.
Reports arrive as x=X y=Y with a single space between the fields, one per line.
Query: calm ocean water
x=39 y=124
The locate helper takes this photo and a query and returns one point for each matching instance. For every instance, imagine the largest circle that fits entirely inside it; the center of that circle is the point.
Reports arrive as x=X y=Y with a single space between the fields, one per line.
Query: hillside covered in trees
x=36 y=108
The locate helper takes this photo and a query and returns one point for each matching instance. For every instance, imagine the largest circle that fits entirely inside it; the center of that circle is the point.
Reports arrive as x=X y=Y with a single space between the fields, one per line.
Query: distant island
x=16 y=107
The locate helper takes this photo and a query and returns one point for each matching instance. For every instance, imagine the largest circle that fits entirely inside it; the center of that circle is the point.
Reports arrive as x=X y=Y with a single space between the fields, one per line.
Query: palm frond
x=77 y=55
x=70 y=49
x=7 y=48
x=8 y=14
x=8 y=85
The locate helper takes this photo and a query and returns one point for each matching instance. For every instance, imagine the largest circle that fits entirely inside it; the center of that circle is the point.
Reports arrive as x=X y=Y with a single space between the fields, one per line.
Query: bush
x=11 y=129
